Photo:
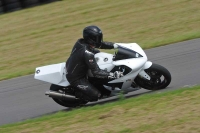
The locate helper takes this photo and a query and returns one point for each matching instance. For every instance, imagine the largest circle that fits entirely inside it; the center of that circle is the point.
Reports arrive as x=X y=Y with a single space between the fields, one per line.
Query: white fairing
x=136 y=64
x=56 y=74
x=133 y=46
x=104 y=60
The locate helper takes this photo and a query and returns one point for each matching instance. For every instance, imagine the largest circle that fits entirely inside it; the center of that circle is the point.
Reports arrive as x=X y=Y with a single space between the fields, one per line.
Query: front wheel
x=160 y=78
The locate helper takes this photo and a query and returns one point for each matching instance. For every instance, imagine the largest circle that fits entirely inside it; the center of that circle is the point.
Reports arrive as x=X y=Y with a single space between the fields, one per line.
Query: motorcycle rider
x=82 y=59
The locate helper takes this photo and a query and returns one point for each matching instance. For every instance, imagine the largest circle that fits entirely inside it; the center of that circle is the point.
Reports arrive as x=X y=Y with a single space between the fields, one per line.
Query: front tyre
x=160 y=78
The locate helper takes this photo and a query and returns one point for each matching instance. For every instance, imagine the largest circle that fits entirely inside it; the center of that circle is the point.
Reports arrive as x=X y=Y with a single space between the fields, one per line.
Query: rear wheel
x=160 y=78
x=69 y=91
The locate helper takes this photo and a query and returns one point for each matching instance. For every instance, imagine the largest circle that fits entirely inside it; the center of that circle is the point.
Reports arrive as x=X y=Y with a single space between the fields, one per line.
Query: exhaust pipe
x=62 y=96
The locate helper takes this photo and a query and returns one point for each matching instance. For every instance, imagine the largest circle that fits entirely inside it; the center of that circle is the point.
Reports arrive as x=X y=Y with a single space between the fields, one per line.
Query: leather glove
x=116 y=75
x=115 y=45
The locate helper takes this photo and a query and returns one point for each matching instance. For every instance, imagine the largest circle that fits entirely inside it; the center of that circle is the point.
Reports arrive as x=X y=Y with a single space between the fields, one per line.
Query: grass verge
x=173 y=111
x=45 y=34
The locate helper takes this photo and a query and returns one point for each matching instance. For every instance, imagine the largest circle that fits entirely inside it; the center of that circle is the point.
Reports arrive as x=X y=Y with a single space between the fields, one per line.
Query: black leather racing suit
x=77 y=65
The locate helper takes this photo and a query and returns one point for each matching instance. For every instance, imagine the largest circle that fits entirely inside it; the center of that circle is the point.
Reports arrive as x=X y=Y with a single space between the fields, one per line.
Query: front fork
x=142 y=73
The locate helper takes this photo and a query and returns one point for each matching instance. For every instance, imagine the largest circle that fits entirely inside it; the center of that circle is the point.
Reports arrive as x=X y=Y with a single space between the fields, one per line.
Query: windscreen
x=125 y=53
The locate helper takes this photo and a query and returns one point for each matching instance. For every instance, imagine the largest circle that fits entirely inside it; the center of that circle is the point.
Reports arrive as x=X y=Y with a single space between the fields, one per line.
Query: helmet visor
x=98 y=38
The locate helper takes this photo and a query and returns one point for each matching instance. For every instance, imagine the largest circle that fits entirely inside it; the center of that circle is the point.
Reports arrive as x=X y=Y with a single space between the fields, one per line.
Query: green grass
x=167 y=112
x=45 y=34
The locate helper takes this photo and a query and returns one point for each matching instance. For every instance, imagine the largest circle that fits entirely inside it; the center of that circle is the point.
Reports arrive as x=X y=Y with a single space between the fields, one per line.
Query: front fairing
x=130 y=55
x=135 y=61
x=134 y=48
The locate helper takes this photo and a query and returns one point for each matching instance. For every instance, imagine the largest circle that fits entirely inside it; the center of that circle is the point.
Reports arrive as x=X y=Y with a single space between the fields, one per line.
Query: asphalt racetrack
x=24 y=97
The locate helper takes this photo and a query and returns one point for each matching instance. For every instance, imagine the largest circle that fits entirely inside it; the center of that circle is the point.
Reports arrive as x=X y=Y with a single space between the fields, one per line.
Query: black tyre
x=47 y=1
x=1 y=9
x=12 y=7
x=10 y=1
x=160 y=78
x=66 y=103
x=29 y=3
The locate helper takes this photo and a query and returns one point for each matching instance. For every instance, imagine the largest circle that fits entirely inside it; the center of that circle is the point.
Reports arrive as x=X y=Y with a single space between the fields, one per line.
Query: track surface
x=24 y=98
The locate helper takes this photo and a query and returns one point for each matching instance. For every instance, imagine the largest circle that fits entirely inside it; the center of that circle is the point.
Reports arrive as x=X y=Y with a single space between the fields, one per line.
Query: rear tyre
x=160 y=78
x=1 y=9
x=69 y=91
x=12 y=7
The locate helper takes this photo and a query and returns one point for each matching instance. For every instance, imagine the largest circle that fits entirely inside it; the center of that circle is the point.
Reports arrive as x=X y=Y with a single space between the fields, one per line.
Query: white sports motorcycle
x=129 y=58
